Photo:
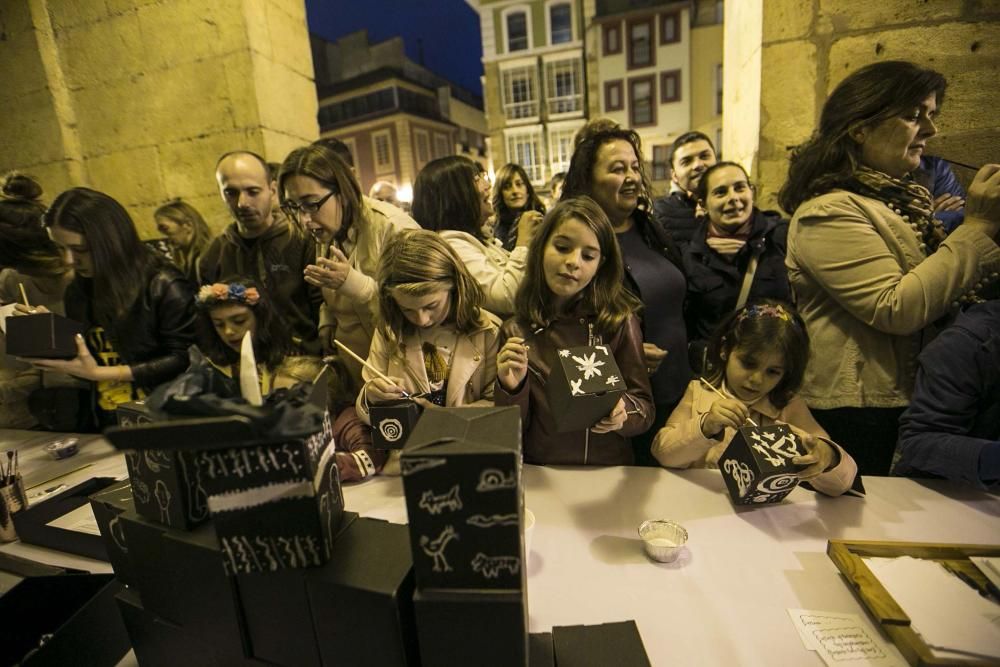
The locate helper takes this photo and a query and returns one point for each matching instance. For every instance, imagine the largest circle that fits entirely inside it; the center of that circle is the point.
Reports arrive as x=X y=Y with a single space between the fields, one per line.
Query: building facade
x=550 y=65
x=394 y=115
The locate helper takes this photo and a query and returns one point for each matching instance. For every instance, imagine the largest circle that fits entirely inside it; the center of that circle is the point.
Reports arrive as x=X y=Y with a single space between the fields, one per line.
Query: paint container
x=63 y=449
x=663 y=540
x=529 y=528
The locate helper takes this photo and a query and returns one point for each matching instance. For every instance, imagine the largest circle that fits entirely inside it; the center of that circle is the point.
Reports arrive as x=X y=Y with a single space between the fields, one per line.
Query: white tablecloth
x=723 y=602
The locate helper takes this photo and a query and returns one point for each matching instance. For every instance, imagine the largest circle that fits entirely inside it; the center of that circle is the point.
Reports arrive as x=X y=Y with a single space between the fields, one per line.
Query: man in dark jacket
x=952 y=427
x=690 y=155
x=261 y=244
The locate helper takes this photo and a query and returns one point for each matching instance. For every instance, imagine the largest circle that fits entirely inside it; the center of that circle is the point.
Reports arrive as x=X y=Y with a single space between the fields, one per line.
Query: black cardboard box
x=33 y=527
x=165 y=483
x=462 y=480
x=158 y=642
x=180 y=578
x=485 y=628
x=108 y=506
x=541 y=652
x=583 y=387
x=77 y=610
x=277 y=614
x=393 y=422
x=43 y=336
x=757 y=464
x=617 y=644
x=362 y=599
x=281 y=525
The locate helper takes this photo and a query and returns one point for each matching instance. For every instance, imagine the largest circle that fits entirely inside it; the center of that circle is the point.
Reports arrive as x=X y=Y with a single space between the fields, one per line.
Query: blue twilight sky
x=448 y=31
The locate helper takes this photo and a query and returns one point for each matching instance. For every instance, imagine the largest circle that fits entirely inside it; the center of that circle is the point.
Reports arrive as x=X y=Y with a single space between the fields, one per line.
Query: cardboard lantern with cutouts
x=393 y=422
x=583 y=387
x=757 y=464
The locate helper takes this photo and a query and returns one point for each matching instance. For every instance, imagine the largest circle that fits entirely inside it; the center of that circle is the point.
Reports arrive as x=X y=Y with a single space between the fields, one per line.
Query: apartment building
x=393 y=114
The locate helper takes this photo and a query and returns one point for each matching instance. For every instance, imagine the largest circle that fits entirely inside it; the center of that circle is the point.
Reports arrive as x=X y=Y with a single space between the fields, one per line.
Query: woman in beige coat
x=870 y=267
x=350 y=233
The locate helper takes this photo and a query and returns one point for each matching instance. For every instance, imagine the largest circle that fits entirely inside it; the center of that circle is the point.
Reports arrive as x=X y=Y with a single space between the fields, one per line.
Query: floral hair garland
x=217 y=293
x=765 y=310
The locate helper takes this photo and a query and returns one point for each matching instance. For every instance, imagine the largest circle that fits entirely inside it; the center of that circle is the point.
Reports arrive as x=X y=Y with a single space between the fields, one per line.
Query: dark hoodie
x=275 y=261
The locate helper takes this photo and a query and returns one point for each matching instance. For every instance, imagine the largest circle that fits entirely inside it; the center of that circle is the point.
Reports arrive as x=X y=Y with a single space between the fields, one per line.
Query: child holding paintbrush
x=757 y=360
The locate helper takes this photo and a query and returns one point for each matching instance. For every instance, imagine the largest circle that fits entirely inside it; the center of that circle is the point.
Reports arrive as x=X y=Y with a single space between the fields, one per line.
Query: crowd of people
x=824 y=317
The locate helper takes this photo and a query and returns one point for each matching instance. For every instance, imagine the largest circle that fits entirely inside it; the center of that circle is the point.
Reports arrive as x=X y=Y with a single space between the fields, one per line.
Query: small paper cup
x=662 y=540
x=529 y=528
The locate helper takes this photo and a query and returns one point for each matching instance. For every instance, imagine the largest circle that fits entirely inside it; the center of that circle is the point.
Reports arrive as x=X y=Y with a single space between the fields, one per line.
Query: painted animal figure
x=490 y=566
x=435 y=504
x=435 y=548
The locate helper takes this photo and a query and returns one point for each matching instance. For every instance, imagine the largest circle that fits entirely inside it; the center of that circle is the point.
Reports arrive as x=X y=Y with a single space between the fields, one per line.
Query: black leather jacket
x=154 y=335
x=675 y=213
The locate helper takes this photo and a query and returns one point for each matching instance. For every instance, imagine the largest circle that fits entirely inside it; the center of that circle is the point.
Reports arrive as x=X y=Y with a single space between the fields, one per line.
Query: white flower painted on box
x=588 y=365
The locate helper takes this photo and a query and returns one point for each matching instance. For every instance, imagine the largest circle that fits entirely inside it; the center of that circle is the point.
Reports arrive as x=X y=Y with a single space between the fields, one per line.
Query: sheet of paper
x=947 y=613
x=845 y=640
x=80 y=520
x=5 y=312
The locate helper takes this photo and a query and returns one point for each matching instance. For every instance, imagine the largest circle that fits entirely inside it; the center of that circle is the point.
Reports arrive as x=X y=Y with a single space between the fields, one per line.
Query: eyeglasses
x=294 y=210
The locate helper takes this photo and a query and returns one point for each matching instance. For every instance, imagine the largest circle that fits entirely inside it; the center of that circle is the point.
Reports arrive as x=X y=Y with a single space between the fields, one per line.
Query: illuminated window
x=520 y=99
x=382 y=152
x=517 y=31
x=670 y=28
x=612 y=38
x=613 y=96
x=525 y=148
x=640 y=44
x=562 y=80
x=560 y=23
x=670 y=86
x=640 y=101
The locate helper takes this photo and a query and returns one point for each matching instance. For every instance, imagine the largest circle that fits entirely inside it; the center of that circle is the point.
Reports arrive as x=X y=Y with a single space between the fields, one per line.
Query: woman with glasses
x=320 y=192
x=452 y=198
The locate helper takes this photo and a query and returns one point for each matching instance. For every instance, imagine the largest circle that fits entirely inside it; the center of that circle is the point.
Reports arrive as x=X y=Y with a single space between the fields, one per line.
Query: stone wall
x=138 y=98
x=809 y=46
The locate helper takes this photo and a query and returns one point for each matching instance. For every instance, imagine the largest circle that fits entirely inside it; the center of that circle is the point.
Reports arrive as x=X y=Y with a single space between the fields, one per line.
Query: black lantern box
x=757 y=464
x=462 y=480
x=275 y=502
x=486 y=629
x=108 y=506
x=165 y=484
x=583 y=387
x=393 y=422
x=43 y=336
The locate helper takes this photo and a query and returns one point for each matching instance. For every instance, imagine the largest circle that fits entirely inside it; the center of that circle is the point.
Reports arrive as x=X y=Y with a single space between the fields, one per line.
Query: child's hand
x=328 y=273
x=819 y=455
x=614 y=421
x=724 y=412
x=653 y=356
x=512 y=363
x=381 y=391
x=527 y=223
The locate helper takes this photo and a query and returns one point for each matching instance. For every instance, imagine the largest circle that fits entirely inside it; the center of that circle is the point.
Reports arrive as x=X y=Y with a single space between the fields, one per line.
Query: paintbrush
x=367 y=365
x=712 y=387
x=24 y=296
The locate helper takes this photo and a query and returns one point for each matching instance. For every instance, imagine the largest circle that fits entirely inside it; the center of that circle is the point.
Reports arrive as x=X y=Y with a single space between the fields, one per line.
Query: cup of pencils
x=13 y=499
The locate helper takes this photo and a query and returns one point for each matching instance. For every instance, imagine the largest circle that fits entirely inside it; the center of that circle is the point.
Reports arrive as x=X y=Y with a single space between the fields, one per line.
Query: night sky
x=449 y=30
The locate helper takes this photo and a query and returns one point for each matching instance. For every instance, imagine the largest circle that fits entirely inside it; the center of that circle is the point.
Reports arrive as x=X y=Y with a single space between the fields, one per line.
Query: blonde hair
x=416 y=263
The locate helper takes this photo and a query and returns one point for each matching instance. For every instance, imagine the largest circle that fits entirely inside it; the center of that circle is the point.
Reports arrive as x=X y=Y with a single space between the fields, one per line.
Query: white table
x=723 y=602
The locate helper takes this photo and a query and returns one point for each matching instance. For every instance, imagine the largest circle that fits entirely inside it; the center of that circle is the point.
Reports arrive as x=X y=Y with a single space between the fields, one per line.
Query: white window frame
x=441 y=141
x=514 y=9
x=516 y=112
x=548 y=21
x=551 y=101
x=419 y=133
x=555 y=131
x=535 y=169
x=387 y=167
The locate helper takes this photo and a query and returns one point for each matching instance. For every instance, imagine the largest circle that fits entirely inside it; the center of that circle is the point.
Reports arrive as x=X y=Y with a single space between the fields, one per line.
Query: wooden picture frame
x=847 y=555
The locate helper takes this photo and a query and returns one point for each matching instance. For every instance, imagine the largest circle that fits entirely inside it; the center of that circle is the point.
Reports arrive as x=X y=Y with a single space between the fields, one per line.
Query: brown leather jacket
x=542 y=443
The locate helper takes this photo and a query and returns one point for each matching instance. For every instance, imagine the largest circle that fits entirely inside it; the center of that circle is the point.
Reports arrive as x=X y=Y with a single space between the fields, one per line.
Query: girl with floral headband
x=227 y=311
x=756 y=361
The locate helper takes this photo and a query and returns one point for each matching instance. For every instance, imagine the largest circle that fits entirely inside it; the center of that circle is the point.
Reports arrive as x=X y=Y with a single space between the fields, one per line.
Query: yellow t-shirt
x=110 y=393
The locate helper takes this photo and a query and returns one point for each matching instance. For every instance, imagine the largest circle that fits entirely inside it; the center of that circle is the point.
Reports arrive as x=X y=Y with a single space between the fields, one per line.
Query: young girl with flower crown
x=757 y=360
x=226 y=312
x=433 y=337
x=572 y=295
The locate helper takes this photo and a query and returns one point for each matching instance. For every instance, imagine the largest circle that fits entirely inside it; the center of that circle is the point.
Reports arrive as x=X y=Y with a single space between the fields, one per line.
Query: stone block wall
x=138 y=98
x=809 y=46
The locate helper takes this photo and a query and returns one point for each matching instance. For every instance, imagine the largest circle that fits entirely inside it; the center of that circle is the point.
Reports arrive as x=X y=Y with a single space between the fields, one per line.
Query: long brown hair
x=323 y=164
x=184 y=214
x=417 y=262
x=587 y=143
x=121 y=262
x=867 y=97
x=605 y=296
x=445 y=196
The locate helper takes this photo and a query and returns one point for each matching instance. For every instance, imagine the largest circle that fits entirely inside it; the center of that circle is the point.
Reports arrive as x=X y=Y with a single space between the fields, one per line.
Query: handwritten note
x=844 y=640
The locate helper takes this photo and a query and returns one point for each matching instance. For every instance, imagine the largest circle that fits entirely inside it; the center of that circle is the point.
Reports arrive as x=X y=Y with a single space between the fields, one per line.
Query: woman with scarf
x=736 y=255
x=869 y=265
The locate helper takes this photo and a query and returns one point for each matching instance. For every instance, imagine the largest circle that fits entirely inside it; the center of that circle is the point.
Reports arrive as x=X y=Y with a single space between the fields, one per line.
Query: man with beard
x=690 y=155
x=262 y=244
